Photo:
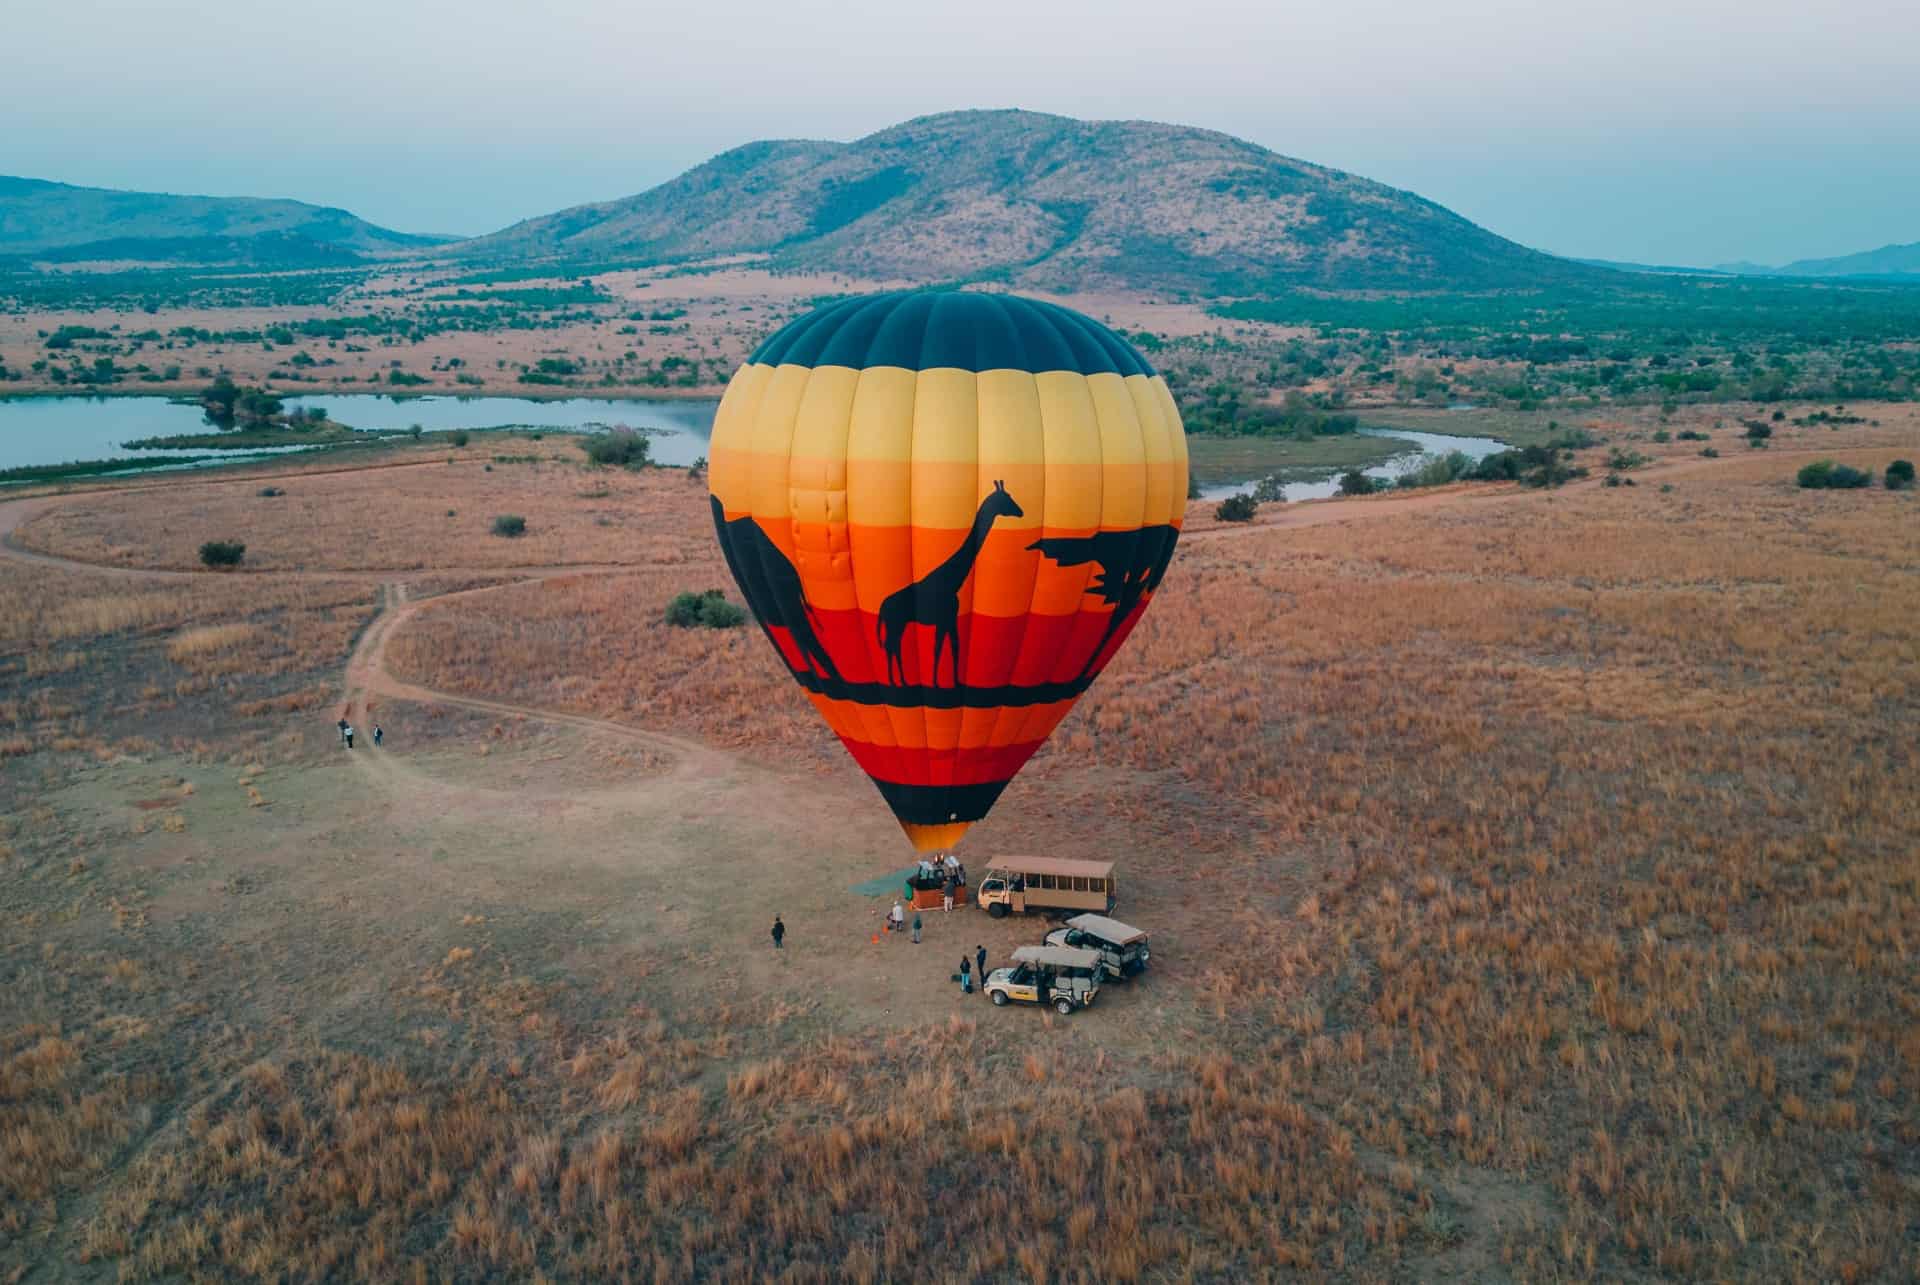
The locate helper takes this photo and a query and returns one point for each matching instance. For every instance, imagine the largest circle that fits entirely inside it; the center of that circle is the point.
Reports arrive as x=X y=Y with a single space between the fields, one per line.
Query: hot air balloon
x=946 y=509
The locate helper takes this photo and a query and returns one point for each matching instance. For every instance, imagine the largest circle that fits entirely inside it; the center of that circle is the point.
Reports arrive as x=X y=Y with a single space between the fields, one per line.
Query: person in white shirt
x=897 y=916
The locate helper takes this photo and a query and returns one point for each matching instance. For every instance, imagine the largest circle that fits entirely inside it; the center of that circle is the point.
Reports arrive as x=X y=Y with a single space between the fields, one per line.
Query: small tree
x=1237 y=508
x=461 y=438
x=1758 y=433
x=1356 y=483
x=510 y=525
x=222 y=553
x=1900 y=475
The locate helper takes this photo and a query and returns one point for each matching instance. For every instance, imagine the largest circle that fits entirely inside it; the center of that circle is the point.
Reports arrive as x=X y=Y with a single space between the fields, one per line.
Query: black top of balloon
x=963 y=330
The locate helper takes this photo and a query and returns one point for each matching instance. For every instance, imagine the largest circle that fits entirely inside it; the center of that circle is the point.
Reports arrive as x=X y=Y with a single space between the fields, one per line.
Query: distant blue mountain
x=58 y=221
x=1893 y=262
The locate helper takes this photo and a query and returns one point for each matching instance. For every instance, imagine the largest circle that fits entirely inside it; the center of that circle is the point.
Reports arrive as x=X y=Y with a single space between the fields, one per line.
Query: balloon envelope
x=947 y=510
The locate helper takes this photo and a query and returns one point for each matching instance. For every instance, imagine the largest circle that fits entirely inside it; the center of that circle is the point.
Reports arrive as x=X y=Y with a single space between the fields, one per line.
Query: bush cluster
x=1354 y=482
x=510 y=525
x=1530 y=466
x=1825 y=475
x=709 y=610
x=1438 y=471
x=1900 y=475
x=620 y=447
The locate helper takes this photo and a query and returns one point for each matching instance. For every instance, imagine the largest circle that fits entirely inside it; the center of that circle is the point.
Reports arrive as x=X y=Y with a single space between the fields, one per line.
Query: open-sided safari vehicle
x=1122 y=948
x=1058 y=975
x=1019 y=884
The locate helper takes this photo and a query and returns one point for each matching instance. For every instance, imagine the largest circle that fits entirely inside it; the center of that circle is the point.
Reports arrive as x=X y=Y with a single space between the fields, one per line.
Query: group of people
x=980 y=969
x=346 y=734
x=947 y=874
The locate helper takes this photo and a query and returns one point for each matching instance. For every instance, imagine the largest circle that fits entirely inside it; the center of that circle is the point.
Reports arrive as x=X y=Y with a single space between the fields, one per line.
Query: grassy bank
x=32 y=473
x=1216 y=459
x=262 y=438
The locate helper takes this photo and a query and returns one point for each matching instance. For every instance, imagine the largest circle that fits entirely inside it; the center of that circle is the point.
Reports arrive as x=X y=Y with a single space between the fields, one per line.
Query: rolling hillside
x=62 y=223
x=1043 y=201
x=1897 y=261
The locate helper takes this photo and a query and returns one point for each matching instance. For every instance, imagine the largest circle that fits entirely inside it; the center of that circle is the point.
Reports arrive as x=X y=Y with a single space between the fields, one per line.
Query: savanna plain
x=1533 y=877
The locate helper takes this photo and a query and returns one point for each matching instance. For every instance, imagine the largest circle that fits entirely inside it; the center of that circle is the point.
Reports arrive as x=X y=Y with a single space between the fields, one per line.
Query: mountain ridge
x=1042 y=201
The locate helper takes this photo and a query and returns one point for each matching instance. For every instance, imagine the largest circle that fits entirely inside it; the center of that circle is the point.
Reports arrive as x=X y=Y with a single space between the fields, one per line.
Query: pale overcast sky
x=1671 y=131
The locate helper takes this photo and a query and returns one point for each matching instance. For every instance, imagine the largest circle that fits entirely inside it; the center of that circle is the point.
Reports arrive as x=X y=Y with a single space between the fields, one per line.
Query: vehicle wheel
x=1000 y=999
x=998 y=910
x=1063 y=1006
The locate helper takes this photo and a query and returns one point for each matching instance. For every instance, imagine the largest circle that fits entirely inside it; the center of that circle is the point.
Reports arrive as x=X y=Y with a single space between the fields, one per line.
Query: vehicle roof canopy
x=1051 y=866
x=1109 y=930
x=1057 y=956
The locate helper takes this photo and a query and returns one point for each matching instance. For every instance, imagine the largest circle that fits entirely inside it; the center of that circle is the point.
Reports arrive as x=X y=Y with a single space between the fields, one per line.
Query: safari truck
x=1052 y=884
x=1056 y=975
x=1122 y=948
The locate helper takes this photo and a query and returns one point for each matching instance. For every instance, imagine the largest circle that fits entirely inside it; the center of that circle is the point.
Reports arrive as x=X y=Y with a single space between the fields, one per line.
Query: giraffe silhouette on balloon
x=934 y=599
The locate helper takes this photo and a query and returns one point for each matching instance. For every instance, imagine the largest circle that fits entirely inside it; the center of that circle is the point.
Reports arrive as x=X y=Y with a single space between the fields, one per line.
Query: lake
x=55 y=430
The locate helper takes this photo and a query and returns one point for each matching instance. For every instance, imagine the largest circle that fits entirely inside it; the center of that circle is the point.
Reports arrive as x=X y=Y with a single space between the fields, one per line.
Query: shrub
x=1758 y=433
x=1662 y=435
x=460 y=438
x=1900 y=475
x=1356 y=483
x=270 y=491
x=709 y=610
x=621 y=447
x=222 y=553
x=1825 y=475
x=1237 y=508
x=1709 y=452
x=510 y=525
x=1269 y=490
x=1691 y=435
x=1572 y=439
x=1620 y=460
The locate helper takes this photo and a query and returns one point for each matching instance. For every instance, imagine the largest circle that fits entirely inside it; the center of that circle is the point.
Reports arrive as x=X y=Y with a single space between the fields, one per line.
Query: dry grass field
x=433 y=518
x=1533 y=877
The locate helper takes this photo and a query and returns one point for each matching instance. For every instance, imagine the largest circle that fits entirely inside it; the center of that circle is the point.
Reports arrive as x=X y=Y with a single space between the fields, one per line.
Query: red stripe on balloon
x=971 y=766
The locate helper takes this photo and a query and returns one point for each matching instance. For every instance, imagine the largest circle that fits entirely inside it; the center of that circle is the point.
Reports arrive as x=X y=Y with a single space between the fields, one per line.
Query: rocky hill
x=1048 y=202
x=62 y=223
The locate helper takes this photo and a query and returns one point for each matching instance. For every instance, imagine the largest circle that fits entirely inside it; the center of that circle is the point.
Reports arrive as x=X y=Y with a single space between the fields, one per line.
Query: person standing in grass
x=779 y=932
x=916 y=928
x=343 y=730
x=347 y=732
x=896 y=918
x=377 y=735
x=980 y=963
x=946 y=894
x=966 y=977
